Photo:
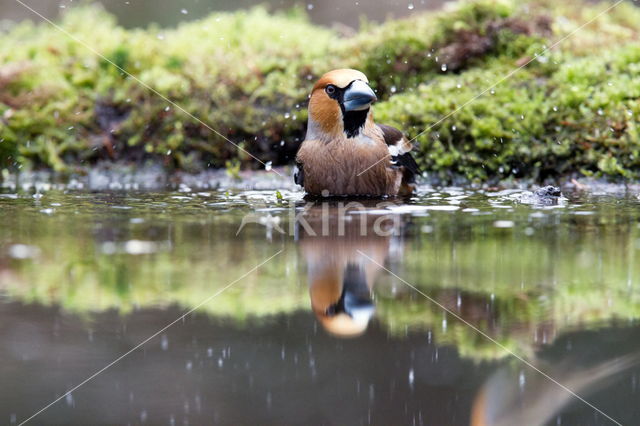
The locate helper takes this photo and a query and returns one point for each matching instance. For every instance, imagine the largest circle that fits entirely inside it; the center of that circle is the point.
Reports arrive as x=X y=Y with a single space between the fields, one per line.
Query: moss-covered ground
x=571 y=110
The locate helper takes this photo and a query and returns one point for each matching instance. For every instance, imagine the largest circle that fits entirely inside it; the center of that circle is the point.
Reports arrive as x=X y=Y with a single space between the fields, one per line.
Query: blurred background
x=140 y=13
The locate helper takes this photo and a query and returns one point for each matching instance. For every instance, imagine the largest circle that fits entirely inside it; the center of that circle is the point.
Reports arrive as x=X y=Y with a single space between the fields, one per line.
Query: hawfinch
x=344 y=152
x=343 y=262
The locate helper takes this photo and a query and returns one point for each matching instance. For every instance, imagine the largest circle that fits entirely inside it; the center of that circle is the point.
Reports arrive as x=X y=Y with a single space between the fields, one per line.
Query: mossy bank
x=447 y=78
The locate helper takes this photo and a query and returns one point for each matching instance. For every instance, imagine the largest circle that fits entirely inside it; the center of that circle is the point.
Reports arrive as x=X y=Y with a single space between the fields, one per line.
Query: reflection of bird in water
x=340 y=277
x=507 y=400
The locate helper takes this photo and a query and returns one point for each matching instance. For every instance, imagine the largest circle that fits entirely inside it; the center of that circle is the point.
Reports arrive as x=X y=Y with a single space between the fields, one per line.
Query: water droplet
x=443 y=67
x=393 y=89
x=267 y=166
x=184 y=11
x=503 y=224
x=410 y=6
x=310 y=6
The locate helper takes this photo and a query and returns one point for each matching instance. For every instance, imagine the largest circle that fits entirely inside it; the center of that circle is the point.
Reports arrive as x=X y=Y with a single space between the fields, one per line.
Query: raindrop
x=393 y=89
x=410 y=6
x=310 y=6
x=267 y=166
x=443 y=67
x=411 y=377
x=184 y=11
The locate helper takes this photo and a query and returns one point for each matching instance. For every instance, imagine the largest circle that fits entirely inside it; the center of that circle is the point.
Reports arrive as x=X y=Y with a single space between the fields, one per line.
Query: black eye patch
x=335 y=92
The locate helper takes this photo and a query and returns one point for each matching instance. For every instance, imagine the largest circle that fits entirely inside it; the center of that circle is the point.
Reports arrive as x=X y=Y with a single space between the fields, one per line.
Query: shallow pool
x=236 y=307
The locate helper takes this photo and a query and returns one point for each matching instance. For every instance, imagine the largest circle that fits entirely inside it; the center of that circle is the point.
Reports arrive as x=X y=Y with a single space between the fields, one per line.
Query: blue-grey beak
x=361 y=310
x=358 y=96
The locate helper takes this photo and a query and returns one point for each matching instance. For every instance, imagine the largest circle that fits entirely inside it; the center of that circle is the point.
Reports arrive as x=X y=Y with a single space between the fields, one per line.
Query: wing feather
x=400 y=147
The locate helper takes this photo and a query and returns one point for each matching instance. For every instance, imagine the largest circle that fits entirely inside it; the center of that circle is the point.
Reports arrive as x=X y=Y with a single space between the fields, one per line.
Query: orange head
x=341 y=300
x=340 y=103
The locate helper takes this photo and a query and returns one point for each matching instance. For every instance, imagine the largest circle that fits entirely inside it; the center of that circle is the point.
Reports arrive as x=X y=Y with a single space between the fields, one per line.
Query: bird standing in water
x=345 y=153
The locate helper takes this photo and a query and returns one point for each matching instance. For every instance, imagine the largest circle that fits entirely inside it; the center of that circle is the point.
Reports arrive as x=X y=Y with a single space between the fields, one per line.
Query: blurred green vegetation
x=247 y=74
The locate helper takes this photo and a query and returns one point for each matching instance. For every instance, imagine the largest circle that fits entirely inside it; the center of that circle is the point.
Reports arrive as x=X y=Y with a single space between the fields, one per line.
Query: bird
x=344 y=254
x=343 y=260
x=345 y=153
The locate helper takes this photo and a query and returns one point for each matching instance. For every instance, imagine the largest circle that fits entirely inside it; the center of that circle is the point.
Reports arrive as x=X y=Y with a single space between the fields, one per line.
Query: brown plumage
x=345 y=152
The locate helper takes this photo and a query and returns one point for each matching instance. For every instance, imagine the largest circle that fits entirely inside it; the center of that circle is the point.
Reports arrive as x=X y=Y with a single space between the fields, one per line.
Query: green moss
x=247 y=75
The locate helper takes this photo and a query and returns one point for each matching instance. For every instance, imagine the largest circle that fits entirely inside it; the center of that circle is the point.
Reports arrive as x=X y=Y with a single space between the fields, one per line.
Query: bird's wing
x=298 y=174
x=400 y=149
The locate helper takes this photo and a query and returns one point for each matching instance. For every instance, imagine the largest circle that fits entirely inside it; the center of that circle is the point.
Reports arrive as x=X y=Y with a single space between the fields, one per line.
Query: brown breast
x=338 y=166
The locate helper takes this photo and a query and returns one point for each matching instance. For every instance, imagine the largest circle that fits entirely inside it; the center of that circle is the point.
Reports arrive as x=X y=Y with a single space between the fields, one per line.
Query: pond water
x=457 y=307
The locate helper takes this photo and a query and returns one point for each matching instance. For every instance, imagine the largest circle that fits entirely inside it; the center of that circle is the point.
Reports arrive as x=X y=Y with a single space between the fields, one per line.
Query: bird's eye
x=331 y=90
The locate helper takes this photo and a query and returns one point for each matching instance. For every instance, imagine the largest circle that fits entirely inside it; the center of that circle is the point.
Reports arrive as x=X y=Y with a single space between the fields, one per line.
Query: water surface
x=408 y=312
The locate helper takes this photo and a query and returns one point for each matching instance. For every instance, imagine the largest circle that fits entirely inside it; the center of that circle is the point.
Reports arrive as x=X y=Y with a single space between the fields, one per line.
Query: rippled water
x=435 y=311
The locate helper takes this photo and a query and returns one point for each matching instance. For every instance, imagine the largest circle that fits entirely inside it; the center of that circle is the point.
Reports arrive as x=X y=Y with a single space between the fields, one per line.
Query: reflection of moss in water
x=551 y=272
x=247 y=74
x=125 y=283
x=519 y=289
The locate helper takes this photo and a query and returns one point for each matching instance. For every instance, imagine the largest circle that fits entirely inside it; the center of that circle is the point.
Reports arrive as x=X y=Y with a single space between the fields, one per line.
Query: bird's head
x=341 y=300
x=340 y=103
